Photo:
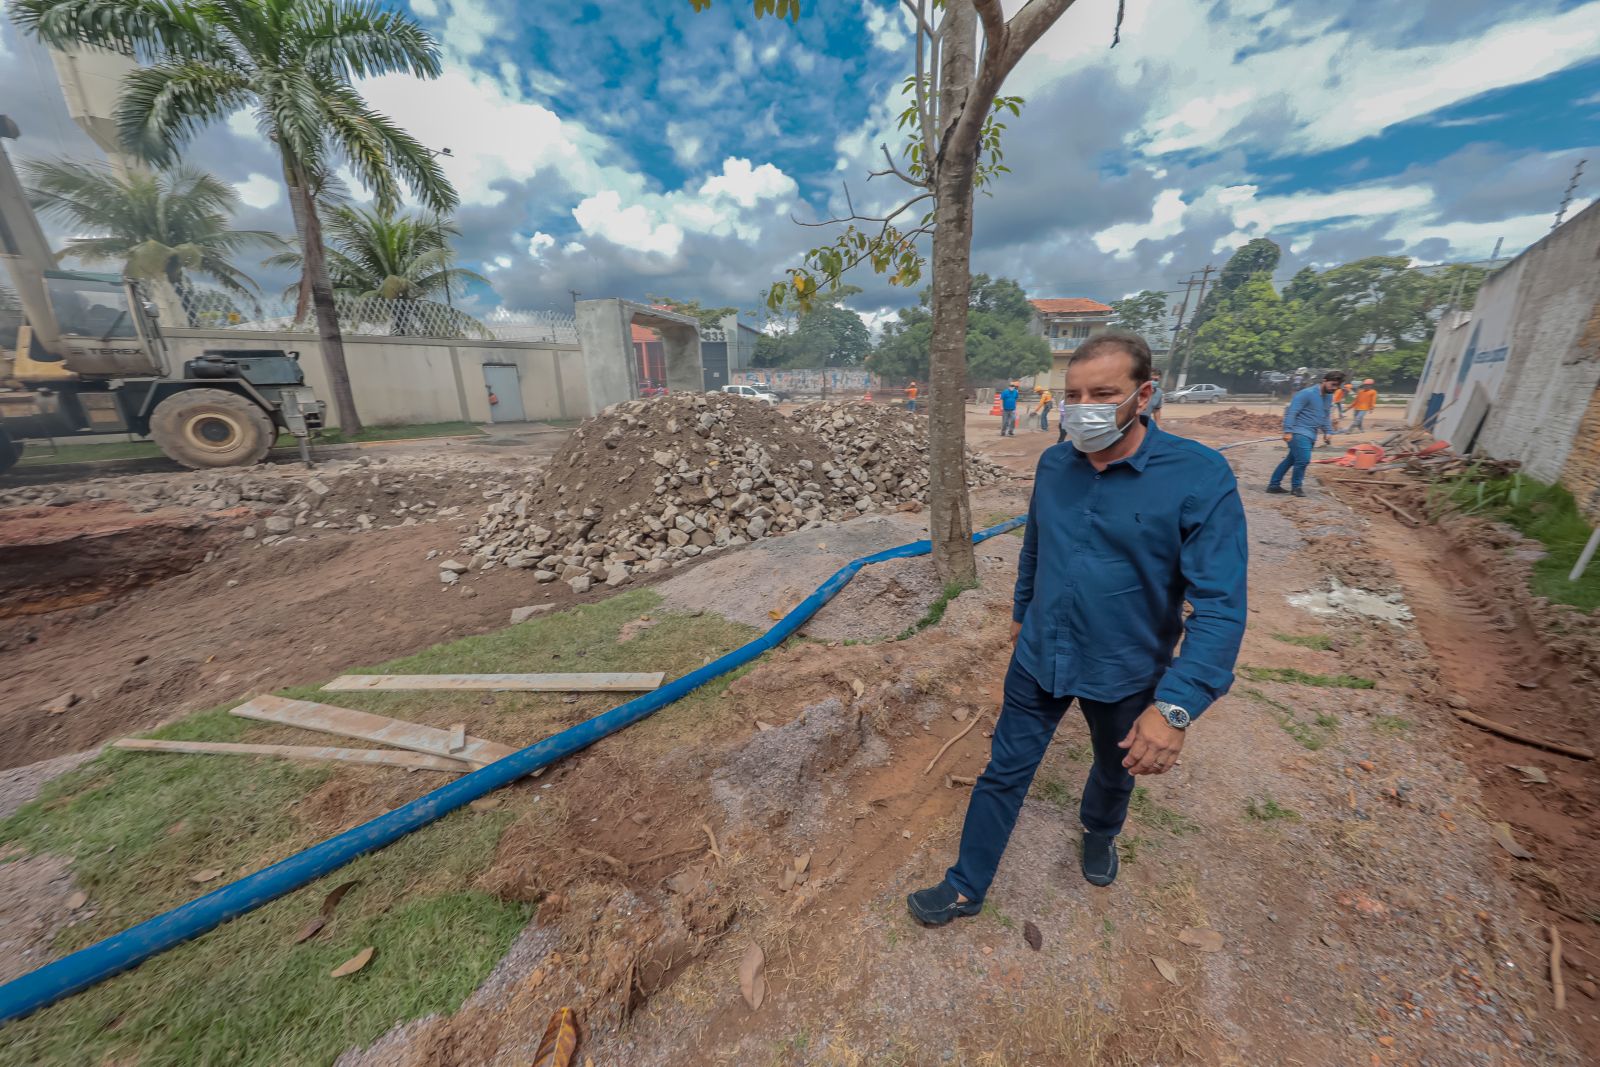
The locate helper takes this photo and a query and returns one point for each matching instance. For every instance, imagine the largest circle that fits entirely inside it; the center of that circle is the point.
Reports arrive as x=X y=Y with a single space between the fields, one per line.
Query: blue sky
x=627 y=148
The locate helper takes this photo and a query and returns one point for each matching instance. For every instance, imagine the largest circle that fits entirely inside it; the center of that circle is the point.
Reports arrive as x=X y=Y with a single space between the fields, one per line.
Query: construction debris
x=347 y=722
x=411 y=760
x=1241 y=419
x=648 y=484
x=522 y=683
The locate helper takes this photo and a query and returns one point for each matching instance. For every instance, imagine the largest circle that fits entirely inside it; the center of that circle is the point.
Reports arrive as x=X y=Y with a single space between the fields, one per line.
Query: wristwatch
x=1177 y=718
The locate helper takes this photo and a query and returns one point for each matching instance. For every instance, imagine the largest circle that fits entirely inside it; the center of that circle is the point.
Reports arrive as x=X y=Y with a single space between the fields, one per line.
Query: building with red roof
x=1065 y=323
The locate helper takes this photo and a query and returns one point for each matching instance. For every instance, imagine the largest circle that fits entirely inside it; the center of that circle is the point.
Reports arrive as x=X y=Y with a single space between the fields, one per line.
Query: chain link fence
x=374 y=317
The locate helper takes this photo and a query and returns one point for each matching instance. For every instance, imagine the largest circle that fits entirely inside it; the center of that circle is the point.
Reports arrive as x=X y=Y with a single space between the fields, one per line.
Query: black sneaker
x=1099 y=859
x=1276 y=489
x=1297 y=492
x=939 y=904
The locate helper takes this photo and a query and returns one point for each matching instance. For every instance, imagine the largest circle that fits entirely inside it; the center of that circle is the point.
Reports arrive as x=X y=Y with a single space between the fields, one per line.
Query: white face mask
x=1093 y=427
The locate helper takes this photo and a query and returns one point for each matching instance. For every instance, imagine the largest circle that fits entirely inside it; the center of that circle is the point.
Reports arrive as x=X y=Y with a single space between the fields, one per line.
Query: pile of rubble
x=651 y=483
x=357 y=494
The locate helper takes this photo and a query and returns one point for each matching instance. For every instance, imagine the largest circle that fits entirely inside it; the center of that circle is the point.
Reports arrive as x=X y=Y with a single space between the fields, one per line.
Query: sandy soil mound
x=651 y=483
x=1240 y=419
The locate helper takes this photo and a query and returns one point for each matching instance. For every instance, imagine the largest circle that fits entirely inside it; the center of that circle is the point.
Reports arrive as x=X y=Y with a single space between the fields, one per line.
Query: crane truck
x=90 y=359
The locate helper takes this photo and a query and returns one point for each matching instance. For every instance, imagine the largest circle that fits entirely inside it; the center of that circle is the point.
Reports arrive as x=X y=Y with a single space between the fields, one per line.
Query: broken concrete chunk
x=581 y=583
x=526 y=613
x=61 y=703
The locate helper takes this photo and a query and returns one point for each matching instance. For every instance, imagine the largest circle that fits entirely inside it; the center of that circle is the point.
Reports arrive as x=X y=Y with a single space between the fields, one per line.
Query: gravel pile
x=651 y=483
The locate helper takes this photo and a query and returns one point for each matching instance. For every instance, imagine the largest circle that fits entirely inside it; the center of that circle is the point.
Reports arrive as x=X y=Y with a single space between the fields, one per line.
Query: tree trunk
x=950 y=511
x=327 y=313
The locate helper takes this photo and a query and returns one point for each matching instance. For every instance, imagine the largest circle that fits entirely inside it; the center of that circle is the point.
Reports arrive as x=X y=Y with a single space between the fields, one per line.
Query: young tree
x=710 y=318
x=1144 y=313
x=955 y=131
x=168 y=225
x=293 y=63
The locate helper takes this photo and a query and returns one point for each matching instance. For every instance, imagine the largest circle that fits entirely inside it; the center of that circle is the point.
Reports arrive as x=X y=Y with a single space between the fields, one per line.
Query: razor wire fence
x=365 y=316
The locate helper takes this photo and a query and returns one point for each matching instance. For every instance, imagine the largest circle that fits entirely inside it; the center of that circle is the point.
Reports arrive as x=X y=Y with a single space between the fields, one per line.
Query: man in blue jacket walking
x=1308 y=414
x=1124 y=527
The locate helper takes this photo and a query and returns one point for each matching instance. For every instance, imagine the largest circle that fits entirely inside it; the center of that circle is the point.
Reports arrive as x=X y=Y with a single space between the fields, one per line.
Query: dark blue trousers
x=1299 y=458
x=1028 y=720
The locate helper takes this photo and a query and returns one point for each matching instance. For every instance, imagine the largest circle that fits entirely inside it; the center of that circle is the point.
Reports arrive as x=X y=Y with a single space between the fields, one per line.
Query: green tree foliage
x=293 y=64
x=999 y=345
x=710 y=318
x=376 y=253
x=1253 y=330
x=1258 y=256
x=1144 y=313
x=171 y=225
x=827 y=336
x=1352 y=309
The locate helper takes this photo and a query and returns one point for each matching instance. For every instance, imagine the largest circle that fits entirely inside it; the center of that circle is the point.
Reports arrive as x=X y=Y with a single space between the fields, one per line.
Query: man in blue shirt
x=1124 y=527
x=1309 y=413
x=1008 y=411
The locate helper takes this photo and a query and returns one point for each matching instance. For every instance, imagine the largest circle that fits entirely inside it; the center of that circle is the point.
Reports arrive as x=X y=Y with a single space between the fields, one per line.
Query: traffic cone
x=868 y=397
x=996 y=409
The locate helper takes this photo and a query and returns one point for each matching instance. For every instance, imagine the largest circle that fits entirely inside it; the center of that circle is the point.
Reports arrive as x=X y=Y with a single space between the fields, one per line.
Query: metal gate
x=505 y=393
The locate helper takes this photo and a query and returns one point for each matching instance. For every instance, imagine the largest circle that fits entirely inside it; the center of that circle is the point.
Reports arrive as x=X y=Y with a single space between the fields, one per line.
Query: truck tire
x=212 y=428
x=10 y=452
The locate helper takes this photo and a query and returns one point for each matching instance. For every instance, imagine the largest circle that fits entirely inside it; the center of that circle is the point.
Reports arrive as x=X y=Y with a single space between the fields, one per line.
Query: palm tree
x=165 y=225
x=292 y=62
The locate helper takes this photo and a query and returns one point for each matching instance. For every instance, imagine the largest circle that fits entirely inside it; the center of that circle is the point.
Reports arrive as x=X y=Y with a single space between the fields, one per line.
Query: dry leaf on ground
x=1531 y=775
x=752 y=976
x=1502 y=834
x=77 y=900
x=353 y=964
x=310 y=929
x=560 y=1041
x=335 y=895
x=857 y=687
x=1031 y=934
x=801 y=862
x=1202 y=938
x=1167 y=969
x=210 y=874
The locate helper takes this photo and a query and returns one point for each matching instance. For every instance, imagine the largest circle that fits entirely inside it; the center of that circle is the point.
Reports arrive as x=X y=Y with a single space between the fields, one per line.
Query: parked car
x=1198 y=394
x=750 y=392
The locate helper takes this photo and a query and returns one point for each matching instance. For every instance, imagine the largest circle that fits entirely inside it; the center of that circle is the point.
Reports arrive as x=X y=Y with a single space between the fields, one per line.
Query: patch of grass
x=1130 y=846
x=1546 y=513
x=36 y=454
x=136 y=825
x=935 y=610
x=1391 y=724
x=1158 y=817
x=995 y=518
x=1268 y=810
x=1053 y=790
x=999 y=916
x=1320 y=642
x=398 y=432
x=1312 y=735
x=1078 y=752
x=1299 y=677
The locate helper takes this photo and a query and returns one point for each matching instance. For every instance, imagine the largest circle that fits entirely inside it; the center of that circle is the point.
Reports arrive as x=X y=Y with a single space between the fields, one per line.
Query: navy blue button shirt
x=1108 y=560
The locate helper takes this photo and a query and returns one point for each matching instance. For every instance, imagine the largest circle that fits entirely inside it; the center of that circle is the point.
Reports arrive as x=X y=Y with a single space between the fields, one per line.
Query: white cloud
x=242 y=123
x=770 y=54
x=258 y=191
x=425 y=9
x=744 y=55
x=572 y=248
x=1212 y=84
x=1260 y=215
x=1468 y=120
x=889 y=26
x=634 y=227
x=744 y=184
x=539 y=242
x=1476 y=239
x=1166 y=220
x=687 y=146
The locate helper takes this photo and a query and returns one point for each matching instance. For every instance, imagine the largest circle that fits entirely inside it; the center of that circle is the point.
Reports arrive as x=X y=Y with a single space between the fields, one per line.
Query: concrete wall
x=1530 y=357
x=606 y=335
x=836 y=379
x=406 y=379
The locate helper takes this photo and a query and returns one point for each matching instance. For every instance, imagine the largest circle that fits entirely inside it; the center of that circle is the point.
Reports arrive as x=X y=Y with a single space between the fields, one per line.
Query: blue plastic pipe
x=84 y=968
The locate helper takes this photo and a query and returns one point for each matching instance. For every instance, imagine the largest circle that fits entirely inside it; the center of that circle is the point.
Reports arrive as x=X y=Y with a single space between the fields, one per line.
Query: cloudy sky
x=630 y=148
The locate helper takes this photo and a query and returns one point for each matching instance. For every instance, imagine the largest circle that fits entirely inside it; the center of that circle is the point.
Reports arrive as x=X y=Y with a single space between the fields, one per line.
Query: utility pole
x=1188 y=348
x=1566 y=198
x=575 y=295
x=1183 y=309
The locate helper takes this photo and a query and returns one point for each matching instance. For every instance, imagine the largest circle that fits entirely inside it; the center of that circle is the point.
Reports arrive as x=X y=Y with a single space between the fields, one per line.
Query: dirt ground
x=1338 y=841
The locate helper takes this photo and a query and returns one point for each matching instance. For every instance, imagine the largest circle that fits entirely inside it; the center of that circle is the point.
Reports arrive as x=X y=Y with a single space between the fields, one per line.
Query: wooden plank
x=458 y=736
x=532 y=683
x=377 y=756
x=347 y=722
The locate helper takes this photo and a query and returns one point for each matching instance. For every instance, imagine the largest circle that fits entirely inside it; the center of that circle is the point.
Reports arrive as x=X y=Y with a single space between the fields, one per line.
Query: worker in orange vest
x=1366 y=400
x=911 y=397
